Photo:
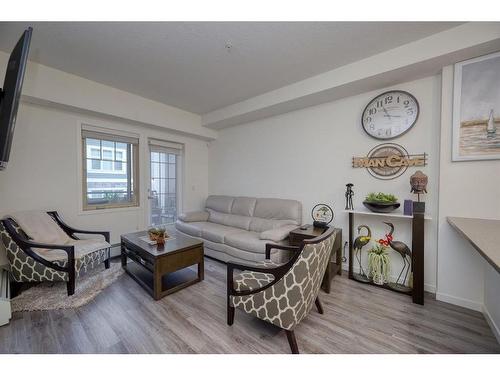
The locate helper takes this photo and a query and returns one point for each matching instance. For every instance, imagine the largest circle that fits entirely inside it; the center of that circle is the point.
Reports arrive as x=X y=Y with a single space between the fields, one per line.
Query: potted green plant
x=379 y=264
x=158 y=235
x=381 y=202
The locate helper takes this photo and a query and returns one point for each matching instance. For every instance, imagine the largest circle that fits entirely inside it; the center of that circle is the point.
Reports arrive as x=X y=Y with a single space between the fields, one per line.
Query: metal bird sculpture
x=359 y=242
x=404 y=251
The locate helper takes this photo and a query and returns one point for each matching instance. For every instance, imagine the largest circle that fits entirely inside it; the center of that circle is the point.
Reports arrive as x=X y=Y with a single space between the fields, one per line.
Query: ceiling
x=188 y=64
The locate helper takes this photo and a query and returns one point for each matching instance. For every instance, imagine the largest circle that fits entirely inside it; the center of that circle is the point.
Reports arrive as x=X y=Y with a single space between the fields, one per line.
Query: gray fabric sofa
x=238 y=228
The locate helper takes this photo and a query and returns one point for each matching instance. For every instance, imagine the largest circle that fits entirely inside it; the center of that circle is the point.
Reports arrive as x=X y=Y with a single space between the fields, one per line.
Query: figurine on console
x=418 y=183
x=348 y=197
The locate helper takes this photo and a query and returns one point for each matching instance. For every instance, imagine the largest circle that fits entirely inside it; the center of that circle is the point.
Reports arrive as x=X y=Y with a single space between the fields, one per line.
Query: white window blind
x=111 y=135
x=164 y=146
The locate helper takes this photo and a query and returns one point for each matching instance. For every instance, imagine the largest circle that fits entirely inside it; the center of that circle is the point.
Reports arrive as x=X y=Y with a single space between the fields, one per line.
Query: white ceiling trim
x=411 y=61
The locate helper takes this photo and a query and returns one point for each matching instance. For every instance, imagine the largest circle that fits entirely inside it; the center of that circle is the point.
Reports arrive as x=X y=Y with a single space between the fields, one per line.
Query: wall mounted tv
x=11 y=94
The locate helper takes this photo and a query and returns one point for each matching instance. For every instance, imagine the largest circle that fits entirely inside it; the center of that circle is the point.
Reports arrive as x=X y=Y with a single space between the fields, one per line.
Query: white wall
x=468 y=189
x=44 y=173
x=306 y=155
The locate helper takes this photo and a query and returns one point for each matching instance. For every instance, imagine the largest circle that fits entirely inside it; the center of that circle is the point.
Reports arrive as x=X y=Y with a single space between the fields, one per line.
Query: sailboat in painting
x=491 y=128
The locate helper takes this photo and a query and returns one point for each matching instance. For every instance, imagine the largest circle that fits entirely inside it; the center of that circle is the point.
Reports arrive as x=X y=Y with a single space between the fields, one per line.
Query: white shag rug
x=53 y=295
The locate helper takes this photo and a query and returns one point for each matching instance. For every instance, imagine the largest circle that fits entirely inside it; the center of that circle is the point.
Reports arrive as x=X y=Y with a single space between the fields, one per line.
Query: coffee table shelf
x=170 y=283
x=163 y=270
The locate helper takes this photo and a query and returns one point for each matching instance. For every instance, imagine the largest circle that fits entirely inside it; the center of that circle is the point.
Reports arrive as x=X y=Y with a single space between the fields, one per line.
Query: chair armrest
x=188 y=217
x=276 y=272
x=270 y=246
x=71 y=231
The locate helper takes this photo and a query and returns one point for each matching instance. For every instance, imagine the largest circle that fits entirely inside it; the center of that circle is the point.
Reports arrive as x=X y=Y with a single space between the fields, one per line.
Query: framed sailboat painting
x=476 y=109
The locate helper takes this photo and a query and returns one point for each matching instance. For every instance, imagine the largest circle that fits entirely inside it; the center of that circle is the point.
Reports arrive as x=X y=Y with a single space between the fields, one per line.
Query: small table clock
x=322 y=215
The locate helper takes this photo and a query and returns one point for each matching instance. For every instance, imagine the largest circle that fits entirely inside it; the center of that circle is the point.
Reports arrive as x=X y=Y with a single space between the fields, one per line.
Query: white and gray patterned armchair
x=63 y=258
x=281 y=294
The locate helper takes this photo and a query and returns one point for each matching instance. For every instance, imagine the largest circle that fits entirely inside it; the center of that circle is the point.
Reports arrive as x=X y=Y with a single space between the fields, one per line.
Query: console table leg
x=351 y=224
x=417 y=258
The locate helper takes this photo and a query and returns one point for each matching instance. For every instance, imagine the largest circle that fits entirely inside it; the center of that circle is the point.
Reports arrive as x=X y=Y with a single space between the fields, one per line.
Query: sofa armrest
x=194 y=216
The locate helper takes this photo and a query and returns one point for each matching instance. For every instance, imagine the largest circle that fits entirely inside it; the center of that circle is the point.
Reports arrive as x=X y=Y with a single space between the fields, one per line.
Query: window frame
x=132 y=169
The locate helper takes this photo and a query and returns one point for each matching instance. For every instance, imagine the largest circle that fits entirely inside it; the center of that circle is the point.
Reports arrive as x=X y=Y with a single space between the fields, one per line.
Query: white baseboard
x=427 y=287
x=492 y=324
x=5 y=312
x=473 y=305
x=430 y=288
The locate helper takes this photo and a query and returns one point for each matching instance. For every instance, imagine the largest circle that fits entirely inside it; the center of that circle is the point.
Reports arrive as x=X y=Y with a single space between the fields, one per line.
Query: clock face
x=390 y=114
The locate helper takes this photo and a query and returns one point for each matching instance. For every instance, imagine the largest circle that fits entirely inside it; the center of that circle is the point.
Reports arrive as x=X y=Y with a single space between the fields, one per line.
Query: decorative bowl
x=381 y=207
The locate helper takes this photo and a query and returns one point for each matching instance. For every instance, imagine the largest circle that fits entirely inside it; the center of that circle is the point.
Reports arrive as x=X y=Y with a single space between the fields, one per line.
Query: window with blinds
x=110 y=169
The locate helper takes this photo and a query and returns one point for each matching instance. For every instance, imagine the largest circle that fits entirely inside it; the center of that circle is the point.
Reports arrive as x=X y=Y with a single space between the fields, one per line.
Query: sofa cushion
x=260 y=225
x=280 y=209
x=220 y=203
x=243 y=206
x=226 y=253
x=217 y=232
x=194 y=216
x=247 y=240
x=278 y=234
x=192 y=228
x=242 y=222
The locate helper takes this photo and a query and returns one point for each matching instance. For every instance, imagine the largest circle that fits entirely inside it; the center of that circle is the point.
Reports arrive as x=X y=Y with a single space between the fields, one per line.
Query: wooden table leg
x=201 y=269
x=157 y=284
x=327 y=279
x=338 y=257
x=123 y=255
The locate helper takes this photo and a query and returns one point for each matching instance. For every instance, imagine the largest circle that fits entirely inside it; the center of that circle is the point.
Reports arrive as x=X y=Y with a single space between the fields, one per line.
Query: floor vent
x=5 y=313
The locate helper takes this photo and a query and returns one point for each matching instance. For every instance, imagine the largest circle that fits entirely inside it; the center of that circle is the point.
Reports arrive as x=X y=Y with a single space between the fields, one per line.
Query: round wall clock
x=390 y=114
x=322 y=215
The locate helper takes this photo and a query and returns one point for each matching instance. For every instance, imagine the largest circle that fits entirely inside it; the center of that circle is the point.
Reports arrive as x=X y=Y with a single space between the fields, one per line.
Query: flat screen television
x=11 y=94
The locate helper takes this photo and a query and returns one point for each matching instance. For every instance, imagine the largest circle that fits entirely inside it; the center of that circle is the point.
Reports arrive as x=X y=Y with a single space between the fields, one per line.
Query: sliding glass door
x=164 y=188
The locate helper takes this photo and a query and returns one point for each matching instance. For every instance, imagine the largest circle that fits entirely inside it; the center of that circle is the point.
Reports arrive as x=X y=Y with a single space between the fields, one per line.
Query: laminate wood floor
x=358 y=319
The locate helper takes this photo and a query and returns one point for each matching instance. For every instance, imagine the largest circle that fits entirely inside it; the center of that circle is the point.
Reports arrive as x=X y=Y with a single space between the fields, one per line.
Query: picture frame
x=476 y=109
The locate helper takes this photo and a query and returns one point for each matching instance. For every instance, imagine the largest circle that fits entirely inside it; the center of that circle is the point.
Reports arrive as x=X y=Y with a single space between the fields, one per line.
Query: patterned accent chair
x=31 y=261
x=281 y=294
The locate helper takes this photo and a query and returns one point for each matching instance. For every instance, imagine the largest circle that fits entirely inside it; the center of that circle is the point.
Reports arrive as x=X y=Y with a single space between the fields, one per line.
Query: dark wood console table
x=417 y=259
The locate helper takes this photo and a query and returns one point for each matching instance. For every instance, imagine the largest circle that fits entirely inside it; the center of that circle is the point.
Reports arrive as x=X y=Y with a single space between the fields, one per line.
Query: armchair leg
x=106 y=262
x=230 y=315
x=15 y=288
x=290 y=335
x=319 y=306
x=71 y=286
x=71 y=279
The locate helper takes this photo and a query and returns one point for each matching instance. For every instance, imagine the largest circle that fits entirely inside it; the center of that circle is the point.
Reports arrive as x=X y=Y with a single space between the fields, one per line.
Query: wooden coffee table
x=163 y=269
